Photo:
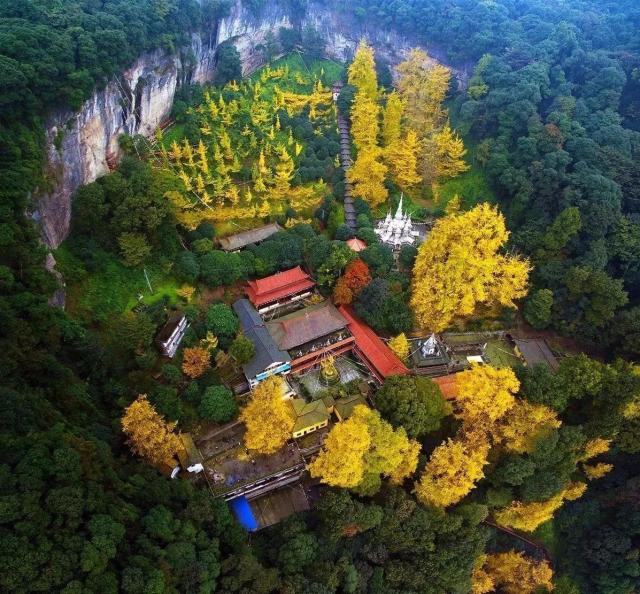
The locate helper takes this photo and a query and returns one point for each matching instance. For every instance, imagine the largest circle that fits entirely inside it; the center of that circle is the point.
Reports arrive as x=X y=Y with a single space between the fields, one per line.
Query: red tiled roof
x=357 y=245
x=377 y=353
x=447 y=385
x=279 y=285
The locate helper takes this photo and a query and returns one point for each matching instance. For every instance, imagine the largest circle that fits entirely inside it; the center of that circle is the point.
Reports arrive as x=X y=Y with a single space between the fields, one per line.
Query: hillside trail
x=346 y=161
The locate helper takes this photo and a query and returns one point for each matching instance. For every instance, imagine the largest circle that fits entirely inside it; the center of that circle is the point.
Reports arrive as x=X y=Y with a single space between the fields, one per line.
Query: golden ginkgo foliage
x=594 y=447
x=524 y=424
x=368 y=171
x=149 y=435
x=364 y=122
x=528 y=516
x=485 y=394
x=247 y=133
x=596 y=471
x=359 y=451
x=481 y=581
x=367 y=176
x=452 y=471
x=401 y=156
x=422 y=88
x=513 y=573
x=392 y=119
x=444 y=154
x=400 y=346
x=340 y=463
x=423 y=85
x=268 y=417
x=460 y=268
x=362 y=71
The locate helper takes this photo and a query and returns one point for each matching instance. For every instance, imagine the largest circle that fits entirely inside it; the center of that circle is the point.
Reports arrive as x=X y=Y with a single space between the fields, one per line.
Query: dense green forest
x=552 y=111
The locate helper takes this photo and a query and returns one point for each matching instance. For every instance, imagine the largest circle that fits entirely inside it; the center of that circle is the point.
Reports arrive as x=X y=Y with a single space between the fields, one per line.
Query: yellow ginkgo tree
x=361 y=450
x=149 y=435
x=461 y=267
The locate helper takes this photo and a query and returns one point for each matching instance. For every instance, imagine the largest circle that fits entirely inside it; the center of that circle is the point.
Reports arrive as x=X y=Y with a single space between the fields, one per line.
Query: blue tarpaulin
x=243 y=513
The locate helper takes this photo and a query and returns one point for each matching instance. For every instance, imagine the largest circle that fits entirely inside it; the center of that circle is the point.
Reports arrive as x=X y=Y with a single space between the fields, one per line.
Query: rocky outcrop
x=83 y=145
x=340 y=31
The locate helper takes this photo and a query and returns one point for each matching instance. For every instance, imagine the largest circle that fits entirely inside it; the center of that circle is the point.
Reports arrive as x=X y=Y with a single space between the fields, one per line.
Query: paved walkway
x=346 y=161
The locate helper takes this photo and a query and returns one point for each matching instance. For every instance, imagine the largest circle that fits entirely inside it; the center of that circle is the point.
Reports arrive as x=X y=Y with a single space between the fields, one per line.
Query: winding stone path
x=346 y=161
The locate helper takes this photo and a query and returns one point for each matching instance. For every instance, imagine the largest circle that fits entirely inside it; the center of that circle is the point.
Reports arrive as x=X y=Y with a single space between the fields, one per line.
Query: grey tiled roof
x=535 y=351
x=305 y=325
x=240 y=240
x=267 y=352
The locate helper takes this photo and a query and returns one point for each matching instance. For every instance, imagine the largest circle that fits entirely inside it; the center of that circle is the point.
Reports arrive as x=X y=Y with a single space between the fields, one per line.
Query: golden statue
x=328 y=371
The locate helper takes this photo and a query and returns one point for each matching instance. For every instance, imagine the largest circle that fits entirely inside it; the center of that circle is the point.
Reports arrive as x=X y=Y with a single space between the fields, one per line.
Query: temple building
x=309 y=334
x=278 y=289
x=356 y=245
x=239 y=241
x=310 y=416
x=398 y=230
x=268 y=359
x=535 y=351
x=169 y=338
x=381 y=361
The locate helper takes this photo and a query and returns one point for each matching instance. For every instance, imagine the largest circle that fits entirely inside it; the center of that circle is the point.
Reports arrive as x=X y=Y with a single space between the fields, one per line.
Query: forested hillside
x=554 y=107
x=526 y=481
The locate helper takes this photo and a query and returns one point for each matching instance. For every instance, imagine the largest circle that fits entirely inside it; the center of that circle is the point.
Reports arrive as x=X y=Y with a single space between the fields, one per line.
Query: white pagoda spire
x=399 y=215
x=397 y=230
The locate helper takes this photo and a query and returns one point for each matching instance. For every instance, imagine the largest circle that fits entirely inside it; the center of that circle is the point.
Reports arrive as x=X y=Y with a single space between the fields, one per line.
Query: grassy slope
x=114 y=288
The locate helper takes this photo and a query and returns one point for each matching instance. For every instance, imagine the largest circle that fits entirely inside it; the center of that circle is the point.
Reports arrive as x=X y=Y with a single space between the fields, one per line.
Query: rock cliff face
x=83 y=145
x=340 y=31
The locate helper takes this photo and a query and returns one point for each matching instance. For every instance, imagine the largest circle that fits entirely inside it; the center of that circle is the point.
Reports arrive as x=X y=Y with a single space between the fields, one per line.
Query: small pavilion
x=356 y=245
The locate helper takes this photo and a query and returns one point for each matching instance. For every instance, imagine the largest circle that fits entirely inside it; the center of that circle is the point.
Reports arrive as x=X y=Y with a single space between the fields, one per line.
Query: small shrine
x=398 y=230
x=430 y=356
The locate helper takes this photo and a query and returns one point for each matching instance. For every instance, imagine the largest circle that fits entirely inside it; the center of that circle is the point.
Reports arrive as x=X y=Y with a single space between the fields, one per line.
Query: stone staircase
x=346 y=161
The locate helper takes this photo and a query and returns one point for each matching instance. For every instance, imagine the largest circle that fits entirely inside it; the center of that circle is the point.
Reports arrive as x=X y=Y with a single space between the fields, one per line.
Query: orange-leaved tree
x=149 y=435
x=342 y=294
x=355 y=278
x=357 y=275
x=195 y=361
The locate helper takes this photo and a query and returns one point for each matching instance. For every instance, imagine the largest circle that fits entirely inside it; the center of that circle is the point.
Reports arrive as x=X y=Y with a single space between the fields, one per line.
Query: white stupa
x=430 y=348
x=398 y=230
